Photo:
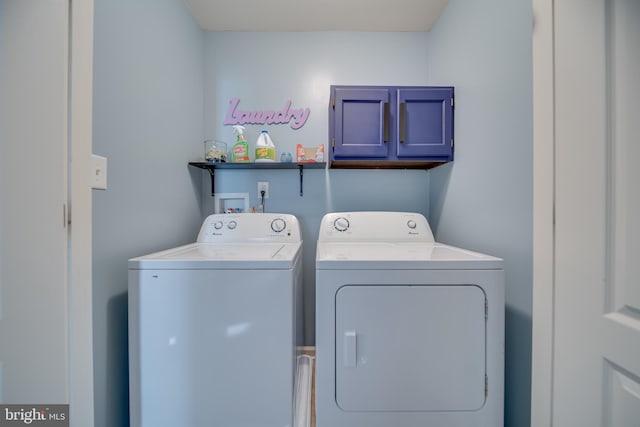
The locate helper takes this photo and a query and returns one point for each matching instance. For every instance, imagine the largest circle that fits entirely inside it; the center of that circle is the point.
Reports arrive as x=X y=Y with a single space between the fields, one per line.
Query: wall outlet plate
x=263 y=186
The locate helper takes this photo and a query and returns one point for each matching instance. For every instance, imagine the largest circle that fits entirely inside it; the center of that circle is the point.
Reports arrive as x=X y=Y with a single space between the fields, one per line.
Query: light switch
x=99 y=172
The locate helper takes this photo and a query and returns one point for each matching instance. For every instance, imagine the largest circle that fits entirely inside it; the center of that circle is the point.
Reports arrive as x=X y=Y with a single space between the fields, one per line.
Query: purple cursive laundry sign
x=236 y=116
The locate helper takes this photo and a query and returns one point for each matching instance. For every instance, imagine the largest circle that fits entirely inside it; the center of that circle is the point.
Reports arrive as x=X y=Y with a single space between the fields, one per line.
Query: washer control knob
x=411 y=224
x=278 y=225
x=217 y=225
x=341 y=224
x=232 y=225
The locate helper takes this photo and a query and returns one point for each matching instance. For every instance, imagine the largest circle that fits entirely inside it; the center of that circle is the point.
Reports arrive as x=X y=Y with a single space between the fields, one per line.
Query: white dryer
x=409 y=332
x=213 y=326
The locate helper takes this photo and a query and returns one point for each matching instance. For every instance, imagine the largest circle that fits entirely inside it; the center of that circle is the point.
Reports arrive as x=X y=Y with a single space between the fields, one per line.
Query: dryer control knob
x=217 y=225
x=411 y=224
x=232 y=225
x=278 y=225
x=341 y=224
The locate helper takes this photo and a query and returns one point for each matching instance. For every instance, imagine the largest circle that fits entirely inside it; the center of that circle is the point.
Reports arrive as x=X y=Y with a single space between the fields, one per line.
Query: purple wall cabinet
x=390 y=126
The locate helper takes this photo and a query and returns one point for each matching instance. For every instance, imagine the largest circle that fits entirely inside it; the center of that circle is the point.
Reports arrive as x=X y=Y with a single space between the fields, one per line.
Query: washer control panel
x=375 y=226
x=250 y=227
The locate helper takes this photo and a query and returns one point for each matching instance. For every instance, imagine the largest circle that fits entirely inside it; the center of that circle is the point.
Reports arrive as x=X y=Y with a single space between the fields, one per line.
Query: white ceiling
x=316 y=15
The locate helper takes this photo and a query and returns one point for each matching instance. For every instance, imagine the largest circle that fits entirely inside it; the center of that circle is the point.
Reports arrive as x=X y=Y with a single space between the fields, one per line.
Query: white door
x=587 y=314
x=33 y=192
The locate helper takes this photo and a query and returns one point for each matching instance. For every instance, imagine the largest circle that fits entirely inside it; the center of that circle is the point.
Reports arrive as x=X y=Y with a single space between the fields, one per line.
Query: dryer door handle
x=349 y=349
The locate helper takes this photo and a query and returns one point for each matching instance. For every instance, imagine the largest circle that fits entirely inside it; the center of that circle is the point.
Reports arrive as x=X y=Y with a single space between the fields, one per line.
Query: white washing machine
x=213 y=326
x=409 y=332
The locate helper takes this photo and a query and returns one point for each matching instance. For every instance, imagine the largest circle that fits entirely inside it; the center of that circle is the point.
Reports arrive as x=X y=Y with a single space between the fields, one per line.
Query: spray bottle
x=265 y=150
x=240 y=152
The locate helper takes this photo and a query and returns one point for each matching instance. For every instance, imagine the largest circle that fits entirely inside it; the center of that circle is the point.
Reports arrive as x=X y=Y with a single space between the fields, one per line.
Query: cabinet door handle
x=403 y=122
x=385 y=122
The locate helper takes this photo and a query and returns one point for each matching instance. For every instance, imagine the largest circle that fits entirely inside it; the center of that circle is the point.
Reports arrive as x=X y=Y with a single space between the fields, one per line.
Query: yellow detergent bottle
x=265 y=150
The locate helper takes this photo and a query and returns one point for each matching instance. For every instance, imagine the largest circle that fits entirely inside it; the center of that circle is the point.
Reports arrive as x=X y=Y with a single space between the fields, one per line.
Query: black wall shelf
x=211 y=167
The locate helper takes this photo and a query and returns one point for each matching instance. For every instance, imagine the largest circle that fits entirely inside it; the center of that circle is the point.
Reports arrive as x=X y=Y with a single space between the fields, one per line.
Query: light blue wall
x=483 y=200
x=148 y=97
x=264 y=70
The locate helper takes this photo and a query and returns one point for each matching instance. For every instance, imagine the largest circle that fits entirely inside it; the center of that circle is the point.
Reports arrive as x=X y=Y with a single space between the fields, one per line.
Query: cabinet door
x=361 y=125
x=425 y=123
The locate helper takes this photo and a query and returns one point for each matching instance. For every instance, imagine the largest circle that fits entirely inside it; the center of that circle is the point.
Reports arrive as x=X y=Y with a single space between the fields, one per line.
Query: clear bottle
x=215 y=151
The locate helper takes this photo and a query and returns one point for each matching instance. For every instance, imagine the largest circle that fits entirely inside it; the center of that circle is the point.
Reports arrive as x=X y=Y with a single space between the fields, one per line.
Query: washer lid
x=246 y=256
x=400 y=255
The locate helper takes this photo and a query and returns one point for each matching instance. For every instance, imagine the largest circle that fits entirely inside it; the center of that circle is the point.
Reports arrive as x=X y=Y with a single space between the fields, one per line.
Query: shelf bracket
x=212 y=174
x=301 y=177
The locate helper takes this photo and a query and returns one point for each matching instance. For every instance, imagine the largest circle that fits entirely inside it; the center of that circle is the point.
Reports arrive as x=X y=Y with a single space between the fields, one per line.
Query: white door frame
x=543 y=213
x=65 y=116
x=80 y=254
x=585 y=367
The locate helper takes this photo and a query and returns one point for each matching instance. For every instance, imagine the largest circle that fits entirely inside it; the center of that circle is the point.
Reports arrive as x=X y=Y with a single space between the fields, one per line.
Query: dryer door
x=410 y=348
